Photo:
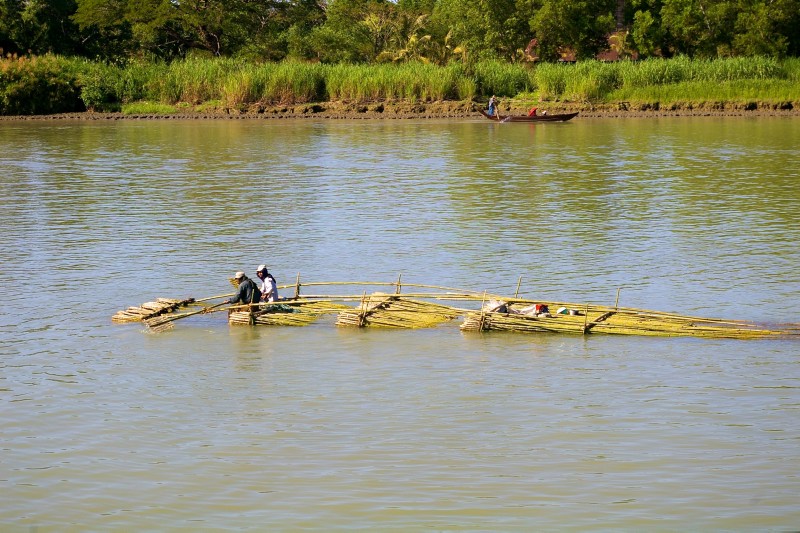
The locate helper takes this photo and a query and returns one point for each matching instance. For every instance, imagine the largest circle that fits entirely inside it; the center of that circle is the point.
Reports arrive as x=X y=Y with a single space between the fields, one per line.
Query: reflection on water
x=207 y=426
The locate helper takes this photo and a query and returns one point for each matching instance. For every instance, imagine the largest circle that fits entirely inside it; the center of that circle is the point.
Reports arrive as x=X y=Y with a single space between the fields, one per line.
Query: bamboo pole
x=585 y=318
x=482 y=322
x=378 y=284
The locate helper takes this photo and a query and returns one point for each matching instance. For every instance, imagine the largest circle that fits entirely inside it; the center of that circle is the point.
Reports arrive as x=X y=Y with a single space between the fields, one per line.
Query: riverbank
x=435 y=110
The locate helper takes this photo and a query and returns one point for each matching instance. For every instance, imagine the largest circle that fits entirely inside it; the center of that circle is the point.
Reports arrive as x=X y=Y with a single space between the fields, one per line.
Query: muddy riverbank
x=438 y=110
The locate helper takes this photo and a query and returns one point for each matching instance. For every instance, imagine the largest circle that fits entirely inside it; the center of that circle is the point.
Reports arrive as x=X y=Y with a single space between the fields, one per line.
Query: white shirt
x=269 y=289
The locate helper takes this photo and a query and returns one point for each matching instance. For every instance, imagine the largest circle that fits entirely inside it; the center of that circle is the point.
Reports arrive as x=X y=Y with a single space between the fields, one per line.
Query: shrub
x=38 y=86
x=99 y=85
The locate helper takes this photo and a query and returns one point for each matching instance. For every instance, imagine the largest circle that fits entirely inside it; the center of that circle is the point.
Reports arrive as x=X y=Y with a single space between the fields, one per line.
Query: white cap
x=238 y=275
x=261 y=268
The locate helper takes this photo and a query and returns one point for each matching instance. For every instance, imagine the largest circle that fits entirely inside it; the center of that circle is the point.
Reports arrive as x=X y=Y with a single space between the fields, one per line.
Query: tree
x=646 y=32
x=39 y=27
x=580 y=25
x=766 y=28
x=9 y=19
x=486 y=29
x=355 y=30
x=169 y=28
x=700 y=28
x=300 y=21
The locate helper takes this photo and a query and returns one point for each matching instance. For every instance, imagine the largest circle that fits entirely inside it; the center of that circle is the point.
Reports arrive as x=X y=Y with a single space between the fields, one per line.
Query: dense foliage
x=427 y=31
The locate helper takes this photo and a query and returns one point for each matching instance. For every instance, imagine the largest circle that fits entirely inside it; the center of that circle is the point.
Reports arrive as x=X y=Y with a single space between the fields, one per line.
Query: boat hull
x=563 y=117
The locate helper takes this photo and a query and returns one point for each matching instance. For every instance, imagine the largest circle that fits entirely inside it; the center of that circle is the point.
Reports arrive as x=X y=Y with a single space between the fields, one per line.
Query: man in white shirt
x=269 y=288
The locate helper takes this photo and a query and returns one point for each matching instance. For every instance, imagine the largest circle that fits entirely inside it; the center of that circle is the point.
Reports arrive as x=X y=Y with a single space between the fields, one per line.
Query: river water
x=211 y=427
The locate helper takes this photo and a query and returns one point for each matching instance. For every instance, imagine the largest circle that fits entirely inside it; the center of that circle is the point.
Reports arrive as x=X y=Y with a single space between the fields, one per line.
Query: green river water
x=208 y=427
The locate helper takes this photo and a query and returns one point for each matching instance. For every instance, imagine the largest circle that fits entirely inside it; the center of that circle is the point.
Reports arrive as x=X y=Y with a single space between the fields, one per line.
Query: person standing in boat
x=269 y=288
x=492 y=106
x=248 y=292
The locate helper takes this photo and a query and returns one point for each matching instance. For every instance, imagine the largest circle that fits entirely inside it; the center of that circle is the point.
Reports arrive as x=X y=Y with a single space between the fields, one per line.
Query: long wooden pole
x=215 y=297
x=157 y=324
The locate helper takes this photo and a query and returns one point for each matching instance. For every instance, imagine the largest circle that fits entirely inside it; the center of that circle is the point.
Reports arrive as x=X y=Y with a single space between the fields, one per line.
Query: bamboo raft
x=394 y=311
x=148 y=310
x=426 y=308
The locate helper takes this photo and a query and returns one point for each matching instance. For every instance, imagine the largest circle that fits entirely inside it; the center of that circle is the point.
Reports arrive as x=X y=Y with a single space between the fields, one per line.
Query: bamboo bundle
x=623 y=323
x=631 y=324
x=303 y=314
x=490 y=321
x=150 y=309
x=245 y=318
x=284 y=313
x=392 y=311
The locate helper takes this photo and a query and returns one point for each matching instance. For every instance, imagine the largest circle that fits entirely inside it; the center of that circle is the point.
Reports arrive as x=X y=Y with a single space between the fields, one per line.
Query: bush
x=38 y=86
x=99 y=84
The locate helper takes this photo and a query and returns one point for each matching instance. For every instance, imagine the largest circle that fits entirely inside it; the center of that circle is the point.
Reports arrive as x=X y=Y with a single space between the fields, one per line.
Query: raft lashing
x=479 y=311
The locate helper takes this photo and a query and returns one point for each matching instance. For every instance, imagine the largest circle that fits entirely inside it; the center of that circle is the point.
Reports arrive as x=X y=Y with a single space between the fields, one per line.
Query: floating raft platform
x=429 y=306
x=395 y=311
x=160 y=306
x=616 y=321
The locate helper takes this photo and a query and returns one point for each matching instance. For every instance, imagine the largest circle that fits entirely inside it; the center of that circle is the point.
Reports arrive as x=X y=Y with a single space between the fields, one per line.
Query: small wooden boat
x=563 y=117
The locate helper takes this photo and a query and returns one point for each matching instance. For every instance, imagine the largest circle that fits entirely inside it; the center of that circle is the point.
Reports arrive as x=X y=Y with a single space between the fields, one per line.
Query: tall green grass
x=598 y=81
x=51 y=84
x=502 y=79
x=407 y=81
x=791 y=69
x=694 y=93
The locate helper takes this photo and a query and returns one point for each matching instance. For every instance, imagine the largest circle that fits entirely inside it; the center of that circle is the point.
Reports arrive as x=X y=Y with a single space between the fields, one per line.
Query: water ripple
x=207 y=427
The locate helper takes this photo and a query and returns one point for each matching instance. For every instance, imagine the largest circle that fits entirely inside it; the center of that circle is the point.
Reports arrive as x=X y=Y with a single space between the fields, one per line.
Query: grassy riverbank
x=53 y=84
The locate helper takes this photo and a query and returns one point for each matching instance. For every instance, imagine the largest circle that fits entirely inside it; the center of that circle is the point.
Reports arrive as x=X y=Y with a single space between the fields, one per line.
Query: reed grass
x=408 y=81
x=668 y=80
x=503 y=79
x=50 y=84
x=791 y=69
x=287 y=83
x=138 y=81
x=696 y=93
